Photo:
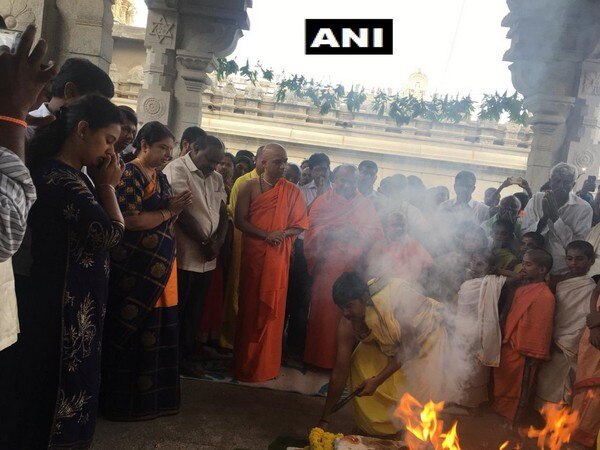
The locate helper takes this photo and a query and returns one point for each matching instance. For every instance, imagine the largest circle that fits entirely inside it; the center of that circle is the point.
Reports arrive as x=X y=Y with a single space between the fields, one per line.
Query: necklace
x=263 y=179
x=148 y=173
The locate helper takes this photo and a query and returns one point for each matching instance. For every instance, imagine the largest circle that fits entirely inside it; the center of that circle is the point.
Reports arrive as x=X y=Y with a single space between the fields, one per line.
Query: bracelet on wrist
x=13 y=120
x=110 y=186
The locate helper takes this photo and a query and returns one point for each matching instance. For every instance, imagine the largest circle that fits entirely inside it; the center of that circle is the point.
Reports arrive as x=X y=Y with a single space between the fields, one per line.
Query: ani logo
x=349 y=37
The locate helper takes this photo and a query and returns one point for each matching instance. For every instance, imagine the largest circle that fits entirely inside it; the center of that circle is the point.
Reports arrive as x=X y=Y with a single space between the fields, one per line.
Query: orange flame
x=503 y=446
x=423 y=425
x=560 y=423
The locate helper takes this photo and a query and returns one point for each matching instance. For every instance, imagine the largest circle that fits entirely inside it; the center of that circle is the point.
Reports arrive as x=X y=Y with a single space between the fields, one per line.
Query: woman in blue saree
x=74 y=223
x=140 y=375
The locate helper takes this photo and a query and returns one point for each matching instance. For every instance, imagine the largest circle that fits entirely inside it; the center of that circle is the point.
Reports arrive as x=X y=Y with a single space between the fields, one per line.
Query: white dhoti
x=477 y=328
x=555 y=377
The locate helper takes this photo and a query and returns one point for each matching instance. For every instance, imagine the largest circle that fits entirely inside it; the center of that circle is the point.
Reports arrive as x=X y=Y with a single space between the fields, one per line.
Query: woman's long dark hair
x=151 y=132
x=96 y=110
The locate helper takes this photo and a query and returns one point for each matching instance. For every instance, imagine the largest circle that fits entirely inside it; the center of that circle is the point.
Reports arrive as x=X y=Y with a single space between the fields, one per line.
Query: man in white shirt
x=463 y=207
x=200 y=230
x=320 y=169
x=559 y=215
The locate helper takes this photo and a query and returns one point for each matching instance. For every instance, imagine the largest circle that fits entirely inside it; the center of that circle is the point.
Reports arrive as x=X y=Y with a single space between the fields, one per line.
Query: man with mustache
x=559 y=215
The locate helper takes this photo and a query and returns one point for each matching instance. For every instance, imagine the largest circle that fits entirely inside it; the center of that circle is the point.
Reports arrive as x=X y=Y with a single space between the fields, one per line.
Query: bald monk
x=586 y=390
x=526 y=338
x=270 y=212
x=230 y=308
x=343 y=227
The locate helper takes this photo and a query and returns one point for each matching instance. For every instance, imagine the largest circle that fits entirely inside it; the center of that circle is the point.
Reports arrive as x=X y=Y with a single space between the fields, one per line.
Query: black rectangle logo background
x=312 y=26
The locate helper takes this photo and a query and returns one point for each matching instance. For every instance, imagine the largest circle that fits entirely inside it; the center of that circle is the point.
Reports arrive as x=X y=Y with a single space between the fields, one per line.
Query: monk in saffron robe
x=526 y=338
x=343 y=227
x=586 y=390
x=398 y=255
x=230 y=306
x=572 y=292
x=270 y=212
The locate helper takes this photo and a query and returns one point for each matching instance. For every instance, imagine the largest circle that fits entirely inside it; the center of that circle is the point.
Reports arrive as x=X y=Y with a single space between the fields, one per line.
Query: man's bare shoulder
x=249 y=185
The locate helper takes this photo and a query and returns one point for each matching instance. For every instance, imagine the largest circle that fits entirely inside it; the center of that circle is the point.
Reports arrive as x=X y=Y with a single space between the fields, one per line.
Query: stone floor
x=227 y=417
x=222 y=416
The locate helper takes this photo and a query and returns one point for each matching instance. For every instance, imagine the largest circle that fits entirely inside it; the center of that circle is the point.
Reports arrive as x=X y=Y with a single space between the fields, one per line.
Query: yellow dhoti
x=230 y=306
x=373 y=414
x=400 y=319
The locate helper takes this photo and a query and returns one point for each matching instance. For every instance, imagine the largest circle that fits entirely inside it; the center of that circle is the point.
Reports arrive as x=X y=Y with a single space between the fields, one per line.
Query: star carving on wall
x=162 y=29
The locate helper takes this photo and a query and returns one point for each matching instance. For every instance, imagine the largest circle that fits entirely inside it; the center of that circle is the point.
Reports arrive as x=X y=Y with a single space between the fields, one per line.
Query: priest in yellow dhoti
x=391 y=340
x=230 y=307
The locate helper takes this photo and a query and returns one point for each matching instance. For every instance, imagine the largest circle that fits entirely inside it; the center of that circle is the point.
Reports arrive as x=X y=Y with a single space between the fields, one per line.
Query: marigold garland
x=322 y=440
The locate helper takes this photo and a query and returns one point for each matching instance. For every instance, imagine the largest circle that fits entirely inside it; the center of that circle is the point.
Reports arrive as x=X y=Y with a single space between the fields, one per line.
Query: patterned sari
x=140 y=376
x=54 y=400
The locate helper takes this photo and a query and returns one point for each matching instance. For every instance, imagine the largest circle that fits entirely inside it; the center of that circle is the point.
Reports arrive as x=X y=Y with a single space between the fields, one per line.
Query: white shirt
x=574 y=223
x=310 y=191
x=208 y=193
x=310 y=194
x=474 y=211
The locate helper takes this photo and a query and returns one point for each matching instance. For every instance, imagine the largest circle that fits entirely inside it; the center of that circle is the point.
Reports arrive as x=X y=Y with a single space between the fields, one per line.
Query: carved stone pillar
x=184 y=38
x=584 y=149
x=73 y=28
x=549 y=43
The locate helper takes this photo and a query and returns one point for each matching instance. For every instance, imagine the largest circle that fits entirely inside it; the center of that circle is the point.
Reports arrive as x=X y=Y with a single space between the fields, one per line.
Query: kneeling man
x=391 y=340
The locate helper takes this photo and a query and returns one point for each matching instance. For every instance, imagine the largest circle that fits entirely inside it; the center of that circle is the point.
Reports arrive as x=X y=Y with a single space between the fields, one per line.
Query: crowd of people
x=125 y=255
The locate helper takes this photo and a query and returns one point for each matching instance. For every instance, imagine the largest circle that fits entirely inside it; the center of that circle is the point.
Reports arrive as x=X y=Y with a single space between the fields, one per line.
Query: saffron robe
x=340 y=232
x=556 y=377
x=400 y=320
x=586 y=391
x=477 y=328
x=405 y=259
x=230 y=306
x=264 y=282
x=526 y=333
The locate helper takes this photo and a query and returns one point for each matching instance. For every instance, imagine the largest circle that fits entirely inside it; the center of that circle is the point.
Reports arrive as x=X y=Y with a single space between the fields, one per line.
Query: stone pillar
x=584 y=149
x=73 y=28
x=183 y=40
x=549 y=43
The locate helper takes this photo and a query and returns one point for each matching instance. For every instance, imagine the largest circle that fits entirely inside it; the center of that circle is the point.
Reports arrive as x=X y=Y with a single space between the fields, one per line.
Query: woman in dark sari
x=140 y=374
x=74 y=223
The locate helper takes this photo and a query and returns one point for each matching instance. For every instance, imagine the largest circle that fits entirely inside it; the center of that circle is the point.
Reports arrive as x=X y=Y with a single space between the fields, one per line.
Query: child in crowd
x=477 y=327
x=526 y=337
x=572 y=292
x=529 y=240
x=503 y=246
x=449 y=271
